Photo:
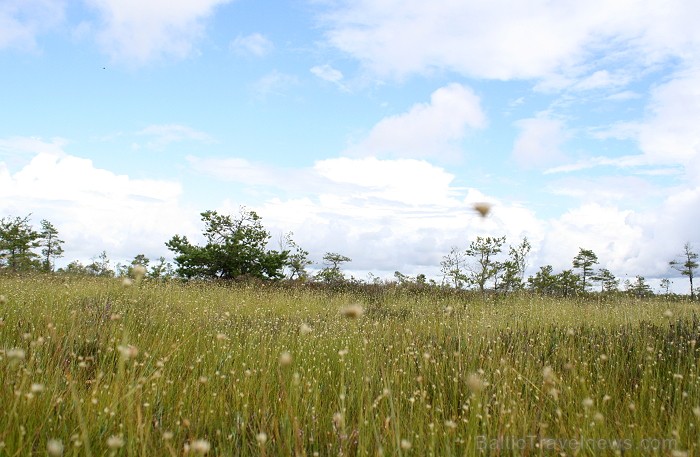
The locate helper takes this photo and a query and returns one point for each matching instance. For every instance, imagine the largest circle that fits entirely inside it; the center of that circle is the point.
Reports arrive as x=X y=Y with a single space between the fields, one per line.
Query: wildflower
x=285 y=359
x=475 y=383
x=139 y=271
x=15 y=353
x=405 y=445
x=304 y=329
x=36 y=388
x=261 y=438
x=54 y=448
x=128 y=352
x=587 y=402
x=200 y=446
x=548 y=375
x=115 y=442
x=668 y=314
x=338 y=420
x=352 y=311
x=450 y=424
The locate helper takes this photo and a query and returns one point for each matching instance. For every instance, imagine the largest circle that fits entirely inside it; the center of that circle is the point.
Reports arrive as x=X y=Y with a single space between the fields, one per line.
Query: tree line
x=238 y=247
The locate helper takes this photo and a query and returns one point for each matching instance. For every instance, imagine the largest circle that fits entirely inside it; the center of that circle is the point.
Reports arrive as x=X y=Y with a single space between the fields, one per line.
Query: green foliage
x=584 y=261
x=51 y=244
x=483 y=250
x=513 y=269
x=638 y=288
x=686 y=264
x=608 y=282
x=235 y=248
x=453 y=267
x=17 y=241
x=331 y=273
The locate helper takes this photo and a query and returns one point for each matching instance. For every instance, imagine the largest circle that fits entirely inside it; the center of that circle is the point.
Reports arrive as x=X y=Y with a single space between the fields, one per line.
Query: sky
x=365 y=127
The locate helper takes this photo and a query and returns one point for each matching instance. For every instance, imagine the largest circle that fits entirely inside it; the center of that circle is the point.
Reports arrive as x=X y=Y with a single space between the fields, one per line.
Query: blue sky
x=367 y=128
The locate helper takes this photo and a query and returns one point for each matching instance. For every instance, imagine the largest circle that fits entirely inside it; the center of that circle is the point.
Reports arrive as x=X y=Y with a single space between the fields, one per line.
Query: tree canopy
x=235 y=248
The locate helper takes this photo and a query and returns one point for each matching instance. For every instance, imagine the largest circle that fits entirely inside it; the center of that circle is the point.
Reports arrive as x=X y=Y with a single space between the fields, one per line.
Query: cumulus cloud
x=427 y=130
x=254 y=44
x=137 y=32
x=22 y=21
x=94 y=209
x=385 y=214
x=164 y=134
x=327 y=72
x=505 y=40
x=274 y=82
x=540 y=142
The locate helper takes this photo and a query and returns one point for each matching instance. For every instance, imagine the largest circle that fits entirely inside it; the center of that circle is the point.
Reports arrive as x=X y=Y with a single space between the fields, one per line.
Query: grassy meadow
x=94 y=367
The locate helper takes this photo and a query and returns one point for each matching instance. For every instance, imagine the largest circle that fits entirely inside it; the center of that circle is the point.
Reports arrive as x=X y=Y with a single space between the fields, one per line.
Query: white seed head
x=115 y=442
x=139 y=271
x=587 y=402
x=200 y=446
x=352 y=311
x=285 y=359
x=261 y=438
x=305 y=329
x=482 y=208
x=54 y=448
x=15 y=353
x=475 y=383
x=405 y=445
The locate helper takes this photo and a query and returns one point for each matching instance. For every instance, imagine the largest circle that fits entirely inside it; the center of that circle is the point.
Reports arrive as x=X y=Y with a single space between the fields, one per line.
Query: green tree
x=161 y=270
x=235 y=248
x=100 y=266
x=567 y=283
x=514 y=268
x=298 y=259
x=544 y=282
x=639 y=288
x=17 y=241
x=484 y=250
x=331 y=273
x=452 y=268
x=665 y=285
x=584 y=261
x=51 y=244
x=686 y=264
x=608 y=281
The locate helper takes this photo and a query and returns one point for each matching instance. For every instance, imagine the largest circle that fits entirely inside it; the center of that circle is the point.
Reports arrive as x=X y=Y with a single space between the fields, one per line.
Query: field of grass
x=94 y=367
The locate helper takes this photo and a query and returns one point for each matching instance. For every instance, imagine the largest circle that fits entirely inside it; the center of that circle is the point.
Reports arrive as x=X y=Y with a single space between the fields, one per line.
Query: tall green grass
x=99 y=368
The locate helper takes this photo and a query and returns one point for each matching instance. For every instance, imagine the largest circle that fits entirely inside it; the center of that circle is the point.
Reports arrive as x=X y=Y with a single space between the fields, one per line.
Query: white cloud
x=254 y=44
x=137 y=32
x=274 y=82
x=502 y=39
x=670 y=134
x=539 y=142
x=385 y=214
x=21 y=21
x=94 y=209
x=327 y=72
x=165 y=134
x=427 y=130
